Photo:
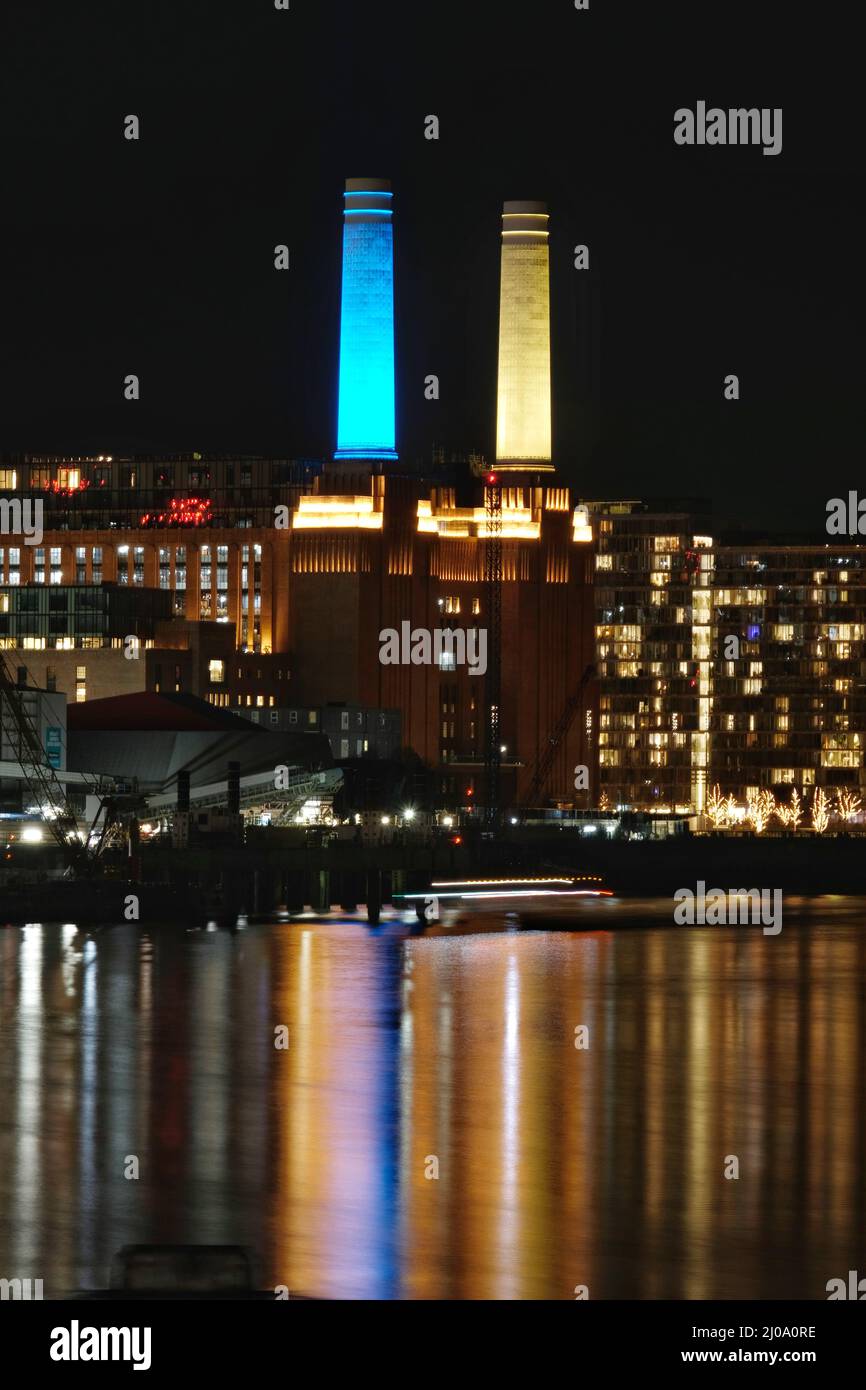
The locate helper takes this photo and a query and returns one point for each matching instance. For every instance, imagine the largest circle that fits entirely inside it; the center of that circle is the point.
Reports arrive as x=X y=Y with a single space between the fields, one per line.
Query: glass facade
x=86 y=615
x=738 y=666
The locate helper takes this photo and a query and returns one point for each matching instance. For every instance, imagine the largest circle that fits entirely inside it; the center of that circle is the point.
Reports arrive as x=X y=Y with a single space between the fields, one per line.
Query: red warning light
x=492 y=478
x=54 y=486
x=457 y=839
x=182 y=511
x=469 y=791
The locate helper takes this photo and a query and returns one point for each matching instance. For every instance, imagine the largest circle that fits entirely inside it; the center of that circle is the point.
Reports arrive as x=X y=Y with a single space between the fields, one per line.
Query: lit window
x=216 y=672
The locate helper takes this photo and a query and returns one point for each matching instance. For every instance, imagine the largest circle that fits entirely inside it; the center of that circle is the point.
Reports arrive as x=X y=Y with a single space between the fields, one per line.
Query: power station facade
x=298 y=611
x=280 y=588
x=379 y=551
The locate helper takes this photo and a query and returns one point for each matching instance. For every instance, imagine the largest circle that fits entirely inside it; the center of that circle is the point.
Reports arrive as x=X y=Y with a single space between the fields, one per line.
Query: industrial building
x=504 y=550
x=351 y=731
x=635 y=653
x=177 y=753
x=303 y=568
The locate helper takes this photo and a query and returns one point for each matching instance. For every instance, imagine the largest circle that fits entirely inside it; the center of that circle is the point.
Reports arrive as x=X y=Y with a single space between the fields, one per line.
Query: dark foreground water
x=557 y=1166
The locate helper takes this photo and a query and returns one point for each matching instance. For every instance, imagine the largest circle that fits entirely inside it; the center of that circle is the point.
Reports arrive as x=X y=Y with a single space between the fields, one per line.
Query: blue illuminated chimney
x=365 y=424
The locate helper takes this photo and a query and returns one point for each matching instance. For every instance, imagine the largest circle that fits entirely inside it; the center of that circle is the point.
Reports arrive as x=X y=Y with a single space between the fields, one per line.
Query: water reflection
x=411 y=1056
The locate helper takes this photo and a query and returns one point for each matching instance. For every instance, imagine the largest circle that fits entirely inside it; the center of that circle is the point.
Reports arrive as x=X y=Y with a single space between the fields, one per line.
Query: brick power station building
x=265 y=586
x=375 y=548
x=279 y=576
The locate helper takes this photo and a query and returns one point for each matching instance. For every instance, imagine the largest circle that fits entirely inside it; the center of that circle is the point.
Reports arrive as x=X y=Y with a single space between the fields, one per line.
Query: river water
x=431 y=1130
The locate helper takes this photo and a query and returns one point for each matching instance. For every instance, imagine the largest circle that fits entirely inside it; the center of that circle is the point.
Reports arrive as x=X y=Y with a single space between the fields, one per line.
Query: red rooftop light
x=182 y=511
x=59 y=491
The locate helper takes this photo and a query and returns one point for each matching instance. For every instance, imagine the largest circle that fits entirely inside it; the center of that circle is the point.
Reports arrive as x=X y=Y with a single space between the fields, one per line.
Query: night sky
x=156 y=257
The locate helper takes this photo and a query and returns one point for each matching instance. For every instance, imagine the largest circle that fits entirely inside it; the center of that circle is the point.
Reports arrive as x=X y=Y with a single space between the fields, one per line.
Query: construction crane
x=19 y=735
x=544 y=762
x=493 y=691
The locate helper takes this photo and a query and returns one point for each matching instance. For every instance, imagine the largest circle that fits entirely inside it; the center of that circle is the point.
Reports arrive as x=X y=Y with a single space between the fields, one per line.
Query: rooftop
x=146 y=711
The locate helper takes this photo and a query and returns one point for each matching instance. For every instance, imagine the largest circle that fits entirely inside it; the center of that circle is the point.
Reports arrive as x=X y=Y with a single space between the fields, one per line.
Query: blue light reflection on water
x=555 y=1166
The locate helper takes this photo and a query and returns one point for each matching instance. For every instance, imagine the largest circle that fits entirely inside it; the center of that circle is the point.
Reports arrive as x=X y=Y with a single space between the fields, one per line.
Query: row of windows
x=249 y=702
x=138 y=551
x=69 y=478
x=361 y=746
x=452 y=605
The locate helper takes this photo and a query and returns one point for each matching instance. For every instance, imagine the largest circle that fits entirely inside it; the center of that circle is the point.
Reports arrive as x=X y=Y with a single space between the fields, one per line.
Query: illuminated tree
x=820 y=811
x=759 y=810
x=792 y=814
x=731 y=808
x=847 y=804
x=717 y=808
x=604 y=802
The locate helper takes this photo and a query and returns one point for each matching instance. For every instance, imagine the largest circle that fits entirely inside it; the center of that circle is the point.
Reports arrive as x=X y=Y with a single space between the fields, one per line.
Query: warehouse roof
x=147 y=710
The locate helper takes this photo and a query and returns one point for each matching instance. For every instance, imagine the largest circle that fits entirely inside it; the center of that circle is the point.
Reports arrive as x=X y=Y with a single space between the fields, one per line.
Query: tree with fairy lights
x=717 y=808
x=847 y=805
x=759 y=810
x=820 y=811
x=792 y=814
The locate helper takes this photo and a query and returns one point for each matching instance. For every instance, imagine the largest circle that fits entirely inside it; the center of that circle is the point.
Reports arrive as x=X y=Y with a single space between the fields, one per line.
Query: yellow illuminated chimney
x=523 y=390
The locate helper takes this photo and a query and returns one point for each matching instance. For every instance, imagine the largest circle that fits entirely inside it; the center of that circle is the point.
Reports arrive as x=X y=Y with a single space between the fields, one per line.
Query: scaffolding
x=20 y=738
